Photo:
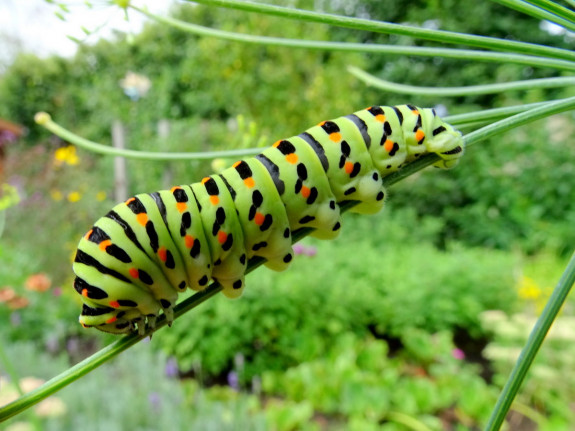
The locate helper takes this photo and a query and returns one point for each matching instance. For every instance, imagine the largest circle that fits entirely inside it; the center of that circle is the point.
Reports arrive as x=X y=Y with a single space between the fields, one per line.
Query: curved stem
x=492 y=114
x=44 y=119
x=517 y=120
x=457 y=54
x=391 y=28
x=394 y=87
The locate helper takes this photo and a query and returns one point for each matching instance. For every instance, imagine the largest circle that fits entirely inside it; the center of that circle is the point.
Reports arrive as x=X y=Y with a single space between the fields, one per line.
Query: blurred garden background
x=411 y=320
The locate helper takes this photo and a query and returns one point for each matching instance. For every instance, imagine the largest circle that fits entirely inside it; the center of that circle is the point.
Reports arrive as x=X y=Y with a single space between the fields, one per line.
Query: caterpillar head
x=447 y=142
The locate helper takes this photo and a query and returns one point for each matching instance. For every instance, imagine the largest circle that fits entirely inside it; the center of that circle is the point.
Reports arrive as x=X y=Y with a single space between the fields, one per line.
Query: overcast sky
x=32 y=25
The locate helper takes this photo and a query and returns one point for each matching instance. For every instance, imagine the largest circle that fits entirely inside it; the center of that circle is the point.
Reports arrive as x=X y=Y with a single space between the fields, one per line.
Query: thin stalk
x=537 y=12
x=550 y=108
x=557 y=9
x=122 y=344
x=471 y=125
x=45 y=120
x=471 y=90
x=492 y=114
x=461 y=120
x=402 y=50
x=442 y=36
x=530 y=350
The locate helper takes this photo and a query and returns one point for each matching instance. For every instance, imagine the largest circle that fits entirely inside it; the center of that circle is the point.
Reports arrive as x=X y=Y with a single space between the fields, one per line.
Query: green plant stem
x=534 y=342
x=402 y=50
x=394 y=87
x=537 y=12
x=122 y=344
x=492 y=114
x=46 y=121
x=392 y=28
x=550 y=108
x=555 y=8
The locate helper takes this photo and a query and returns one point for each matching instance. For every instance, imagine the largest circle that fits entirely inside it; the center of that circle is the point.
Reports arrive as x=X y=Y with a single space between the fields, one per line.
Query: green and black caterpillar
x=137 y=258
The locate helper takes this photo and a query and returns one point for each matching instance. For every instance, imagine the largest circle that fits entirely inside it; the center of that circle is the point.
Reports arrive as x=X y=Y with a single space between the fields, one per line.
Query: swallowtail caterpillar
x=135 y=260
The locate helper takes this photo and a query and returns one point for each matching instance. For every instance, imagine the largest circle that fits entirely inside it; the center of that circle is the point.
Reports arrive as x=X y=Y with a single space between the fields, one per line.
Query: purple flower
x=458 y=354
x=233 y=380
x=15 y=319
x=155 y=401
x=171 y=369
x=298 y=248
x=310 y=251
x=7 y=137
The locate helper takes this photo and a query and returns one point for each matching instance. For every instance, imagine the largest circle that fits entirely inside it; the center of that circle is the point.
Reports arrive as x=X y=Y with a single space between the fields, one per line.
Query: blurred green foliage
x=353 y=379
x=292 y=317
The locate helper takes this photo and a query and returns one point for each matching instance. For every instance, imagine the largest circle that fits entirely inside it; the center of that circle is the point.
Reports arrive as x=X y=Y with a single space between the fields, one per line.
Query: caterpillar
x=134 y=261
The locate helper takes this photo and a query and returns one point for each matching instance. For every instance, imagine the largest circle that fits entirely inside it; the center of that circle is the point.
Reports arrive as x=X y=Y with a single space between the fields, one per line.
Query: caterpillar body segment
x=183 y=220
x=303 y=186
x=262 y=216
x=225 y=237
x=135 y=261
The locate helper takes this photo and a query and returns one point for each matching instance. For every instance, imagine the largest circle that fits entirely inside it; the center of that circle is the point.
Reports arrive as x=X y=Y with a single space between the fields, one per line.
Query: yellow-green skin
x=135 y=260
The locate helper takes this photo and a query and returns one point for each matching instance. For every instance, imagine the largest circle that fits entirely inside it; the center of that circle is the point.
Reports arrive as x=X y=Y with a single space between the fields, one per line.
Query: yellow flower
x=74 y=196
x=66 y=155
x=56 y=195
x=528 y=289
x=100 y=196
